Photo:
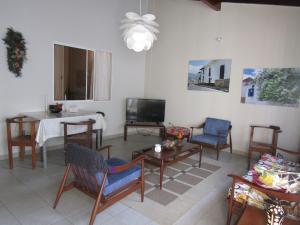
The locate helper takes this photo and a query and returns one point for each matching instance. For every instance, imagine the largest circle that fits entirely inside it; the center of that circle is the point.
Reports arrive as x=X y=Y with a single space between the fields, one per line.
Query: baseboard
x=240 y=152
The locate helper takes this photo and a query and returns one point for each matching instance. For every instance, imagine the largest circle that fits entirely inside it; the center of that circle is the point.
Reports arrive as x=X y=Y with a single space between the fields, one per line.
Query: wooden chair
x=99 y=133
x=251 y=215
x=107 y=184
x=246 y=212
x=22 y=139
x=84 y=138
x=215 y=134
x=261 y=147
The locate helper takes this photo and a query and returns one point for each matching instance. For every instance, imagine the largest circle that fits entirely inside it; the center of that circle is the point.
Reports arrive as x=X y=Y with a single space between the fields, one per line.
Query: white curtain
x=102 y=78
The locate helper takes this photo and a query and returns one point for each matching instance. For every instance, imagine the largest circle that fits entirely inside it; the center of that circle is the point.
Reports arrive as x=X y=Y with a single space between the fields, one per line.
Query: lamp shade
x=139 y=31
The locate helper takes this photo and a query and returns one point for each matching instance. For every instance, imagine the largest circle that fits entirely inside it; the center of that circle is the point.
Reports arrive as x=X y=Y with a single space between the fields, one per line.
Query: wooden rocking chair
x=109 y=181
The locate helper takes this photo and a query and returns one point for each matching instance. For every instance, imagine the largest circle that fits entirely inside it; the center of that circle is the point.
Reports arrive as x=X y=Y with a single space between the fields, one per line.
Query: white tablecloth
x=50 y=124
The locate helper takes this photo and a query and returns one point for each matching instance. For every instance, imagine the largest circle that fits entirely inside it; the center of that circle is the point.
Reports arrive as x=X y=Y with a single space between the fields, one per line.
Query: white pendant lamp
x=139 y=31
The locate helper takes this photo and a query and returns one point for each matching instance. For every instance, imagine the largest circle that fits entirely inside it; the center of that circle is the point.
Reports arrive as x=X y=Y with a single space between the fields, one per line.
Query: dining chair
x=21 y=139
x=107 y=181
x=99 y=132
x=83 y=137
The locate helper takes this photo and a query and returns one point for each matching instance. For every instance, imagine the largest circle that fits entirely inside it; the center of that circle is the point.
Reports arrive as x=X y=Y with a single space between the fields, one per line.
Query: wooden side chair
x=22 y=139
x=107 y=181
x=99 y=132
x=215 y=135
x=85 y=135
x=262 y=147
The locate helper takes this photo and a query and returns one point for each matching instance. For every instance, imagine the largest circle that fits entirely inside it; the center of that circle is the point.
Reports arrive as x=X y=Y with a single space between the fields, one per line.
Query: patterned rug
x=178 y=178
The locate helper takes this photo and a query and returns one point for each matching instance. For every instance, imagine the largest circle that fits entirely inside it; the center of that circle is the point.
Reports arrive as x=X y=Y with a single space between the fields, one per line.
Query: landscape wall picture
x=209 y=75
x=271 y=86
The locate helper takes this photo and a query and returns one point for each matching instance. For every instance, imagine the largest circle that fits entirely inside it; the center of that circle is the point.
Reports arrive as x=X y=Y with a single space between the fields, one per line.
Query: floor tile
x=23 y=205
x=199 y=172
x=180 y=166
x=83 y=217
x=131 y=217
x=209 y=166
x=6 y=218
x=113 y=222
x=153 y=178
x=62 y=222
x=161 y=196
x=153 y=223
x=42 y=216
x=116 y=208
x=190 y=161
x=169 y=172
x=189 y=179
x=74 y=201
x=147 y=187
x=176 y=187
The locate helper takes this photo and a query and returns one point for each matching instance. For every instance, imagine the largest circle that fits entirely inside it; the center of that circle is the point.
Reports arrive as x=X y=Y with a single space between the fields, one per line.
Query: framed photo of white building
x=209 y=75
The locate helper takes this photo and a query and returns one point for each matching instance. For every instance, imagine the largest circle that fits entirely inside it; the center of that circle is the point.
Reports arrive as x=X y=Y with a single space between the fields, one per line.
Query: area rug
x=185 y=185
x=178 y=179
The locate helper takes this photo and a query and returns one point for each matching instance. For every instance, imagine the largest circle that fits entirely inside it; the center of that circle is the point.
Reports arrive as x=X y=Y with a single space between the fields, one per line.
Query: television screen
x=145 y=110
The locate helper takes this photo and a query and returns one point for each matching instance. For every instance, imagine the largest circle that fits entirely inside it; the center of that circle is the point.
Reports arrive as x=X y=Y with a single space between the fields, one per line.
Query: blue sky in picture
x=196 y=65
x=250 y=72
x=198 y=62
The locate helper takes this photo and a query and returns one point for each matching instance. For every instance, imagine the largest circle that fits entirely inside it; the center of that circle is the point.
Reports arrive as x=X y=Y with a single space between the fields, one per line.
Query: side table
x=174 y=131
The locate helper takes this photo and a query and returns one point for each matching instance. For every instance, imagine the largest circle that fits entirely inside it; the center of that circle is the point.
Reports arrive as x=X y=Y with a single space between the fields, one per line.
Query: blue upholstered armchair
x=108 y=181
x=215 y=134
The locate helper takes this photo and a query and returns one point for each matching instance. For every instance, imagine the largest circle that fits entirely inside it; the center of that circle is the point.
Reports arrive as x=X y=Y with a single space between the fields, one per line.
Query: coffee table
x=168 y=156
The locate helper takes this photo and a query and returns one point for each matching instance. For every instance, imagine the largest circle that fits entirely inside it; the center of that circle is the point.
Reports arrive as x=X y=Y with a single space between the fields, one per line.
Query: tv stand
x=161 y=126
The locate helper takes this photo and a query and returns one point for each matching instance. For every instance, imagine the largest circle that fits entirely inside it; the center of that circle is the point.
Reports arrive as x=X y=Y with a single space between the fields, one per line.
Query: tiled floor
x=26 y=195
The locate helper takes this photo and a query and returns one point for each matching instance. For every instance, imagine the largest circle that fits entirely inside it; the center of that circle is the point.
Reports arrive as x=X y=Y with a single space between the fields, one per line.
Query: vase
x=179 y=142
x=275 y=214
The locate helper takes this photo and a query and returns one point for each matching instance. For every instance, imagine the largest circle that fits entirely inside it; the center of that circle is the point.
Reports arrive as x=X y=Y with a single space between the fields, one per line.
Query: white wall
x=253 y=36
x=85 y=23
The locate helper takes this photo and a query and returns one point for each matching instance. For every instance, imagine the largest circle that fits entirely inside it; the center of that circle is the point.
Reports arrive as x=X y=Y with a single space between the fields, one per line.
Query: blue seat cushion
x=216 y=127
x=118 y=179
x=208 y=139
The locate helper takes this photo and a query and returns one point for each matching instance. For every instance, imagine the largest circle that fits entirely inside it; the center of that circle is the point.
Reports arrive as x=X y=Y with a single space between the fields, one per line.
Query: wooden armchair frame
x=85 y=138
x=102 y=202
x=261 y=147
x=234 y=206
x=21 y=140
x=219 y=146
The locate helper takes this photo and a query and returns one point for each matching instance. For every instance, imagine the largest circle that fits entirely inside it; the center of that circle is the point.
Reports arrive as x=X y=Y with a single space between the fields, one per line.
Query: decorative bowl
x=57 y=108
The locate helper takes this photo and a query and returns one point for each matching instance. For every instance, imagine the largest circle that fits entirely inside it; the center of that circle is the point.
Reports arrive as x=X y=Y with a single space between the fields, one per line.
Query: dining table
x=50 y=126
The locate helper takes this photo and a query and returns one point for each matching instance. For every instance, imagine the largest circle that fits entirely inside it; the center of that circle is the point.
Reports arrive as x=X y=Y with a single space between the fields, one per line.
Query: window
x=81 y=74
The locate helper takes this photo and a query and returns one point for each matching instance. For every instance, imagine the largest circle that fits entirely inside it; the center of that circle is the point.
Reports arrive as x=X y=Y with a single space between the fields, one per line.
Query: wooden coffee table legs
x=163 y=165
x=200 y=155
x=162 y=168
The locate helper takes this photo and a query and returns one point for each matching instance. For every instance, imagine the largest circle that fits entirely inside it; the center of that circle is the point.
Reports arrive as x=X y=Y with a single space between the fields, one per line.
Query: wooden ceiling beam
x=214 y=4
x=267 y=2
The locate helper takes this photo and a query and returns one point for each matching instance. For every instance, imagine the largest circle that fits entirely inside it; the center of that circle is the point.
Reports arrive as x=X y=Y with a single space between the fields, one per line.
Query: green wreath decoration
x=16 y=51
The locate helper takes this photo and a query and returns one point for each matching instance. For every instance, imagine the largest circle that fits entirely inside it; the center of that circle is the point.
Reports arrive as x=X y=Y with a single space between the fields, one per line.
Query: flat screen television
x=145 y=110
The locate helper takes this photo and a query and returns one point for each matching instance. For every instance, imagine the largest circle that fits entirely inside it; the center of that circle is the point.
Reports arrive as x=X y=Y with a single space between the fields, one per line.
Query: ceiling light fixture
x=139 y=31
